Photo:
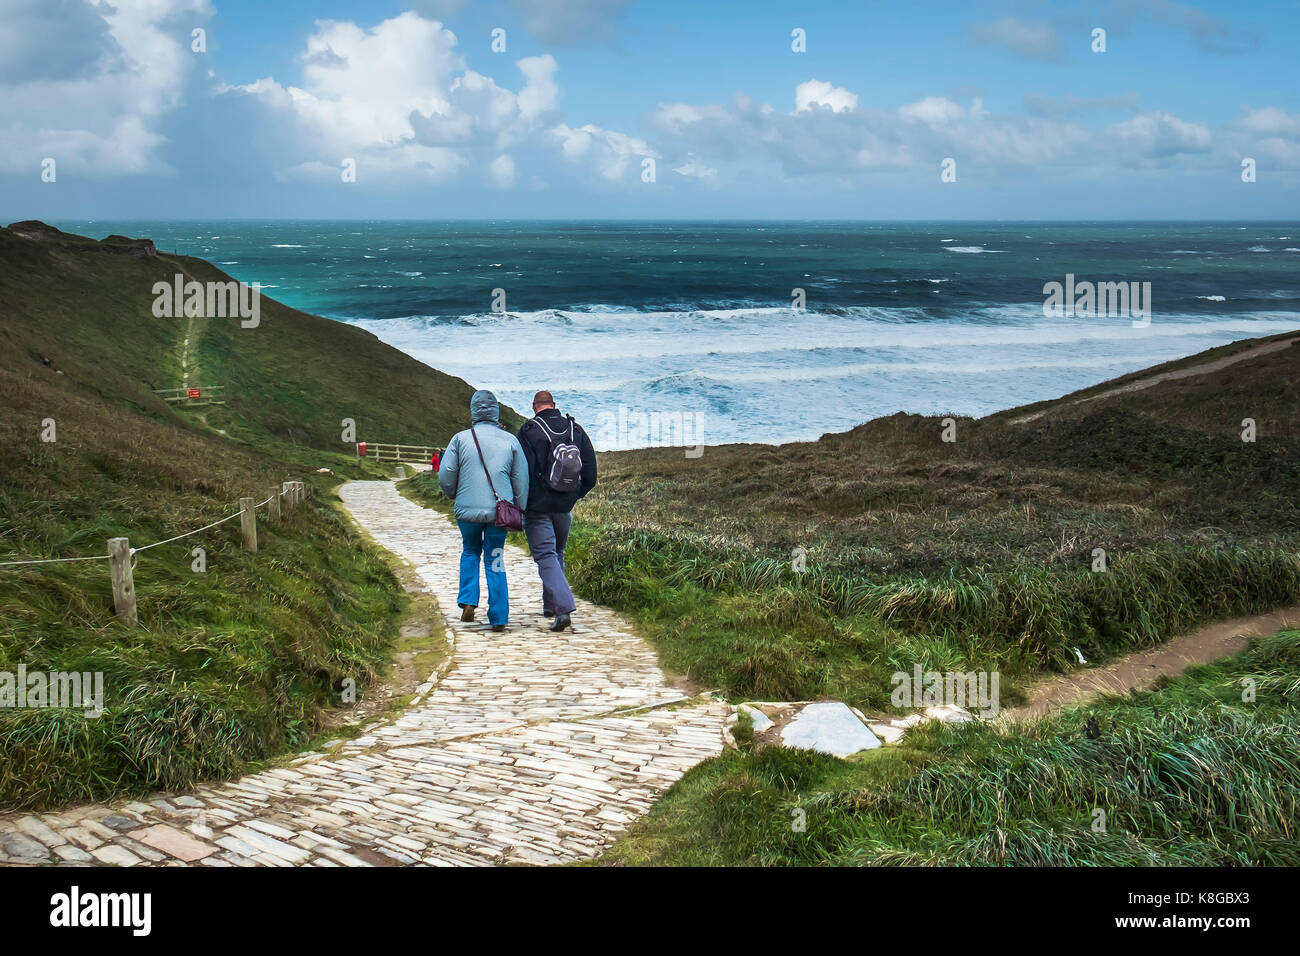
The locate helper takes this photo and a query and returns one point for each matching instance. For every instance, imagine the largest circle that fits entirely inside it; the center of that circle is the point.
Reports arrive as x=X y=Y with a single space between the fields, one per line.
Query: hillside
x=238 y=662
x=975 y=554
x=87 y=307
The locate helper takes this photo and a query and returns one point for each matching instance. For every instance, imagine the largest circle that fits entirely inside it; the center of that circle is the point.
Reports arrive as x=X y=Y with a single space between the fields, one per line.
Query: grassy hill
x=975 y=554
x=233 y=664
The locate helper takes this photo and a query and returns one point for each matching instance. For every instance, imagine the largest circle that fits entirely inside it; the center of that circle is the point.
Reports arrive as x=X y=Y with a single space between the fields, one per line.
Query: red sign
x=193 y=393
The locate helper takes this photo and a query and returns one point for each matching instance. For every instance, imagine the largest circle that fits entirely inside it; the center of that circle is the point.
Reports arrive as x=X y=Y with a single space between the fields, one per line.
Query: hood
x=483 y=407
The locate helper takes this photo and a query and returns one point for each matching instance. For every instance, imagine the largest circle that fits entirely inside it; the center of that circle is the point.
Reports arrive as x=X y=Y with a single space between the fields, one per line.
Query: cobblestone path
x=530 y=747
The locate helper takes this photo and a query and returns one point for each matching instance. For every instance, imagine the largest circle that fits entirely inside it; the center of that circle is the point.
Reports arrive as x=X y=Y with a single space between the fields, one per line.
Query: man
x=561 y=469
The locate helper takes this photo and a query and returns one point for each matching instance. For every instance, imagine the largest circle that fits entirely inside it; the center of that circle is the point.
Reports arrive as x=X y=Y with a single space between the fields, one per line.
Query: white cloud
x=90 y=84
x=399 y=98
x=1160 y=135
x=816 y=94
x=502 y=171
x=696 y=171
x=610 y=153
x=934 y=110
x=1268 y=135
x=1269 y=121
x=818 y=140
x=541 y=93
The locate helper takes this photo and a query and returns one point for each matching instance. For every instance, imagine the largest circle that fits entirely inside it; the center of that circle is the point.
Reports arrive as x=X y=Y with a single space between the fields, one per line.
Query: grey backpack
x=565 y=473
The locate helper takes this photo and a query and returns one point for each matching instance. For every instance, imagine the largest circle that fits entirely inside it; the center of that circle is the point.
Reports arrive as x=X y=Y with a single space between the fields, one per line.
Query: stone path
x=532 y=748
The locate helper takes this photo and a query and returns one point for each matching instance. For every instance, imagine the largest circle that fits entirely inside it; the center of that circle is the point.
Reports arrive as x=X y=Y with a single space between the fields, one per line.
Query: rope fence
x=121 y=556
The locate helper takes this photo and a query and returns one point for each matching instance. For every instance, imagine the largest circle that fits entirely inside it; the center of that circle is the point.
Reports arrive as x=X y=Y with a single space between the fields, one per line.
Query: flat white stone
x=949 y=713
x=911 y=720
x=759 y=719
x=829 y=728
x=889 y=734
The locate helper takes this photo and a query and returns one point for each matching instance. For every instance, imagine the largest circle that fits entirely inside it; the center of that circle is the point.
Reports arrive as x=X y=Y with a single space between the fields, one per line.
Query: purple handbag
x=508 y=516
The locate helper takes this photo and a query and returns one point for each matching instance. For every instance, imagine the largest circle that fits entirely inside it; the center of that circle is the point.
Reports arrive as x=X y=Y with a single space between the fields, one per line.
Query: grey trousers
x=547 y=535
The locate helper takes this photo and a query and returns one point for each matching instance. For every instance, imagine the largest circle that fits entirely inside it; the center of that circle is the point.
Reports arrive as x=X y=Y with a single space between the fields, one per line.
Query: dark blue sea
x=698 y=319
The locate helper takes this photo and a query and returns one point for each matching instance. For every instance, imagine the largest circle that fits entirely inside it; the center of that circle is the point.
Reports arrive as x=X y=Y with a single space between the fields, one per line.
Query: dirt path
x=1140 y=670
x=1205 y=368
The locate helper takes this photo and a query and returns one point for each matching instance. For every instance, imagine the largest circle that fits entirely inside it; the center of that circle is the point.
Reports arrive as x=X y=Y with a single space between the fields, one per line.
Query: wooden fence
x=199 y=395
x=384 y=451
x=121 y=556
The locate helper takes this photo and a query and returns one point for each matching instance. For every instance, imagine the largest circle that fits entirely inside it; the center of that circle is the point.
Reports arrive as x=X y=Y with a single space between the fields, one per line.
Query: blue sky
x=562 y=124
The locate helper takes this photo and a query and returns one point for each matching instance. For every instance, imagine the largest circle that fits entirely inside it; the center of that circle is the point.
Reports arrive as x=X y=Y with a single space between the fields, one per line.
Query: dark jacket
x=537 y=449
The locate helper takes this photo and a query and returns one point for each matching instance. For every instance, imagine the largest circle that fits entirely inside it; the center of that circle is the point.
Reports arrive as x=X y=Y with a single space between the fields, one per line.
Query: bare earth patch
x=1139 y=671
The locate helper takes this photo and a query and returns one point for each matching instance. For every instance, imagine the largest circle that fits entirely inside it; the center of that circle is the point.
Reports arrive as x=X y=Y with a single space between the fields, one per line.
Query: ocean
x=659 y=332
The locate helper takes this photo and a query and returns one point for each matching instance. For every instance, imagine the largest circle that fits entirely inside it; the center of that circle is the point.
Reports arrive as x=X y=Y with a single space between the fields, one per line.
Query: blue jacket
x=462 y=477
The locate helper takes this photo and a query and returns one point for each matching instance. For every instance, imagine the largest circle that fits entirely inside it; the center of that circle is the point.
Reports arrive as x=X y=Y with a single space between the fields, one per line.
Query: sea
x=712 y=332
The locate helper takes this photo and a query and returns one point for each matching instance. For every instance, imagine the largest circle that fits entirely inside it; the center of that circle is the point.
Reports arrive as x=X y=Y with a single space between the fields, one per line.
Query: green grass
x=1185 y=774
x=230 y=667
x=227 y=666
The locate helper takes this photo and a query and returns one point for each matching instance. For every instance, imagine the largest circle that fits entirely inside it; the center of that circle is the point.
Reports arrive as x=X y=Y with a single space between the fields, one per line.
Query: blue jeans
x=475 y=536
x=548 y=533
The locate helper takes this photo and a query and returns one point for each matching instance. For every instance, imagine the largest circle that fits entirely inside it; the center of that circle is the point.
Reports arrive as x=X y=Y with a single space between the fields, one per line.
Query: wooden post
x=273 y=506
x=288 y=495
x=401 y=472
x=248 y=522
x=119 y=562
x=300 y=492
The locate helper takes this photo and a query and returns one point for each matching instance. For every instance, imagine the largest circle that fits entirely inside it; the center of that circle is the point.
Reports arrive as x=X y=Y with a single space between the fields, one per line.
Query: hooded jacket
x=537 y=448
x=461 y=476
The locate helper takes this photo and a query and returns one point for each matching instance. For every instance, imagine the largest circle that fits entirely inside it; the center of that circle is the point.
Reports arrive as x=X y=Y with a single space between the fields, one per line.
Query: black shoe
x=498 y=627
x=467 y=612
x=561 y=622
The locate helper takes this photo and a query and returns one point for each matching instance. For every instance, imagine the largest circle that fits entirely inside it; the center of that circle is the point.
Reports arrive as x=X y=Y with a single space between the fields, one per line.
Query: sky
x=628 y=109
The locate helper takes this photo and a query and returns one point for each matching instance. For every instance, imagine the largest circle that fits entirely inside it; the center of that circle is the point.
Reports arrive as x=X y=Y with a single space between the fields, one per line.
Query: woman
x=474 y=473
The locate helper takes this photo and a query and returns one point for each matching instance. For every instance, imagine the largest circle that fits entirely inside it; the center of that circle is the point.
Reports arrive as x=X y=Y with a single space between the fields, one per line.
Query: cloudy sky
x=587 y=95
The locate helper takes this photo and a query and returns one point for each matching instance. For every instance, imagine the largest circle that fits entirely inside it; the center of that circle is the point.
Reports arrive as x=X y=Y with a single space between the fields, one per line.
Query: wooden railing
x=122 y=557
x=199 y=395
x=385 y=451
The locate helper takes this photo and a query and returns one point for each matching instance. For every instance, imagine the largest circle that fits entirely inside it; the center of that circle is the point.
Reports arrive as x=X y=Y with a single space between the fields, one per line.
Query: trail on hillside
x=1204 y=368
x=1140 y=670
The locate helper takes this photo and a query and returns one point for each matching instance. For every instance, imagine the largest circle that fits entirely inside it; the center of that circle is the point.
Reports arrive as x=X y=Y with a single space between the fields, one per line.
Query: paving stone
x=22 y=847
x=175 y=842
x=115 y=856
x=829 y=728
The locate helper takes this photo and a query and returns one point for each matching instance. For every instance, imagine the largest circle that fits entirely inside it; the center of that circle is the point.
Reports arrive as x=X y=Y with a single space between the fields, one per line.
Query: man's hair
x=543 y=398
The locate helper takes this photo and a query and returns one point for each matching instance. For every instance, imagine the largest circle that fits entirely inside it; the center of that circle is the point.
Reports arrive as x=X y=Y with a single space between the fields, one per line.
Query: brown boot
x=467 y=612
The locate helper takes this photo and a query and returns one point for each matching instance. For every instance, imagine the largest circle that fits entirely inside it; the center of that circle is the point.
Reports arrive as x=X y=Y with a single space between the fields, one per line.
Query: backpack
x=565 y=473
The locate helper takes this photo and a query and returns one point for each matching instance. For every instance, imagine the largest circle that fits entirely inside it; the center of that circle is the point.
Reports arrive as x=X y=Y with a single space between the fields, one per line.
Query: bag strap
x=546 y=429
x=484 y=464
